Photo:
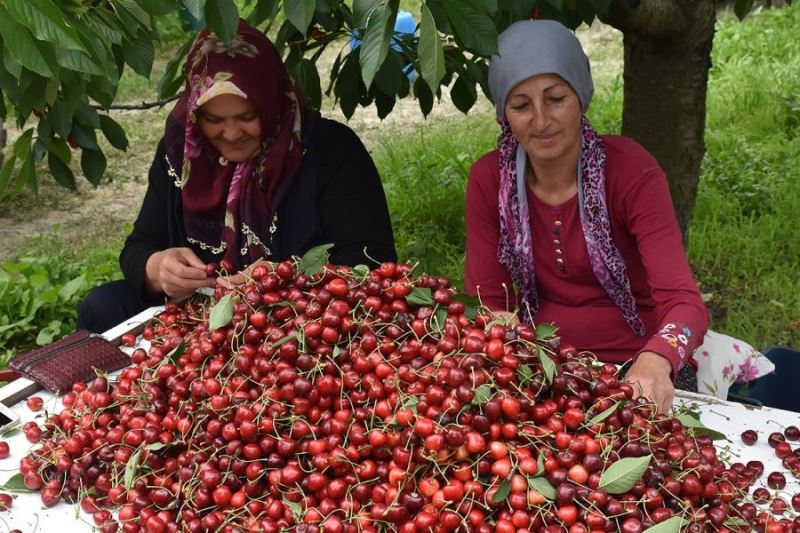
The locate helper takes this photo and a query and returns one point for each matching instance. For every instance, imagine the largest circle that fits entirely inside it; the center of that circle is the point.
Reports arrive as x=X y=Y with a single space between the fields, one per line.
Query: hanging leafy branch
x=62 y=61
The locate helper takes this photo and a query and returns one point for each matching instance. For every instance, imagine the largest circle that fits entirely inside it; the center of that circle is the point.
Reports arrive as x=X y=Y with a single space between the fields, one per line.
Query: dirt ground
x=91 y=215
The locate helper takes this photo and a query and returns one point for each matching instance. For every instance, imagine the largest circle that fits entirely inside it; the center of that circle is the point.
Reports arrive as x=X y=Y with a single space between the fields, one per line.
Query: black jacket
x=335 y=197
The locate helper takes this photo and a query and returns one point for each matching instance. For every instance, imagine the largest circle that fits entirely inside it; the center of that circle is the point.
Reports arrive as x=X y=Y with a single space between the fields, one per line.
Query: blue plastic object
x=778 y=389
x=404 y=25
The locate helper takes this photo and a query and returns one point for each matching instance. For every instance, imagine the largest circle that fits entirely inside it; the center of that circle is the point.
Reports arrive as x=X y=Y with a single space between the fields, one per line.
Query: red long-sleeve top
x=645 y=231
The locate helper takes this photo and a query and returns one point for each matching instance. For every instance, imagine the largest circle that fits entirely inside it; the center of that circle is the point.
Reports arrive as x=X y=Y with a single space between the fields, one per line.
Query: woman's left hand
x=650 y=377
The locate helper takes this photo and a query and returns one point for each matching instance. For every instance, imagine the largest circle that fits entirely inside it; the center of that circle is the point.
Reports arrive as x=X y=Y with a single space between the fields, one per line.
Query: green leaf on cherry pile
x=361 y=271
x=156 y=446
x=543 y=487
x=524 y=374
x=221 y=313
x=314 y=259
x=420 y=296
x=692 y=420
x=482 y=394
x=670 y=525
x=10 y=431
x=545 y=330
x=176 y=352
x=502 y=491
x=622 y=475
x=540 y=465
x=602 y=416
x=131 y=468
x=548 y=366
x=15 y=484
x=411 y=403
x=441 y=318
x=283 y=340
x=735 y=521
x=295 y=509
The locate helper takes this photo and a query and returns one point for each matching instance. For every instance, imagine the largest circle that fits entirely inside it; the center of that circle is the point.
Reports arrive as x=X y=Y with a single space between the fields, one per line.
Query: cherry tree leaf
x=692 y=420
x=623 y=474
x=524 y=374
x=176 y=352
x=543 y=487
x=420 y=296
x=315 y=259
x=15 y=484
x=602 y=416
x=545 y=330
x=482 y=394
x=548 y=366
x=221 y=313
x=502 y=491
x=670 y=525
x=131 y=468
x=283 y=340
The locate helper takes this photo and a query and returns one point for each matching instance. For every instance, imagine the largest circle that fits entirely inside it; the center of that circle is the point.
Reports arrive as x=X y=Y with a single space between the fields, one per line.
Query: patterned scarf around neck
x=228 y=208
x=515 y=251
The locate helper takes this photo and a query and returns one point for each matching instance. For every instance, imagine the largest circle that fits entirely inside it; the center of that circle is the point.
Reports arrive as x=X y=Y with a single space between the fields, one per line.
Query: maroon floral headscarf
x=515 y=251
x=228 y=207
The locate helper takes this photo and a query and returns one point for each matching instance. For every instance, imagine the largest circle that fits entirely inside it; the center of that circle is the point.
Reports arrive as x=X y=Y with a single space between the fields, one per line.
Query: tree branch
x=143 y=105
x=648 y=18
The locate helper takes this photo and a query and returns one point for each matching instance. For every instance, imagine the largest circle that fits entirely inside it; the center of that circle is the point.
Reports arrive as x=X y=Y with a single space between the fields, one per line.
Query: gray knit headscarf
x=526 y=49
x=531 y=47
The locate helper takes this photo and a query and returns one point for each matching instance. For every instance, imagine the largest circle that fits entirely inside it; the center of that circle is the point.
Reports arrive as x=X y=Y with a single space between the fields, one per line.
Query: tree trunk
x=2 y=141
x=667 y=58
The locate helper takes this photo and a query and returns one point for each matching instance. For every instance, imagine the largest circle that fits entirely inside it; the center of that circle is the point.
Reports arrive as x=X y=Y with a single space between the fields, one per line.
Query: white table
x=28 y=514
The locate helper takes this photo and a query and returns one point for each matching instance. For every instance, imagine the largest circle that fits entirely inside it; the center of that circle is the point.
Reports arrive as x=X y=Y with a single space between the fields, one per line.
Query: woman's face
x=545 y=116
x=232 y=126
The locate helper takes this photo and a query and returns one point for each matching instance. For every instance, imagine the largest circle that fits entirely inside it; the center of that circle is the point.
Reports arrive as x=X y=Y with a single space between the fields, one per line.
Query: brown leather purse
x=73 y=358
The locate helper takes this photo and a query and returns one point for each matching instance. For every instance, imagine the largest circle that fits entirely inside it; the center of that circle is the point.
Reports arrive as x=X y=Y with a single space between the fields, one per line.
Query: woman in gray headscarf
x=592 y=213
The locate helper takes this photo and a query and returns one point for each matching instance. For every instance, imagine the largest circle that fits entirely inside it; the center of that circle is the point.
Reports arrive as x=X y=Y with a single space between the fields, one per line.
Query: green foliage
x=743 y=238
x=59 y=61
x=425 y=182
x=63 y=59
x=39 y=293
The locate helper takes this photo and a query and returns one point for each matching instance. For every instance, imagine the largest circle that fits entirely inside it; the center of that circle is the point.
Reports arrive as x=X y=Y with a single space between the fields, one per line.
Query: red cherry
x=128 y=339
x=749 y=437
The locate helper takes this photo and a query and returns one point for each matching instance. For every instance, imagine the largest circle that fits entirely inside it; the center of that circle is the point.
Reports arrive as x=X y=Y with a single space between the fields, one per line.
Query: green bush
x=39 y=294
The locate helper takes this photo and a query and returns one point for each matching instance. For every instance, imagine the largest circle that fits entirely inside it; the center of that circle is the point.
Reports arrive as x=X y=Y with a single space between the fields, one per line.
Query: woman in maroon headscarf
x=245 y=171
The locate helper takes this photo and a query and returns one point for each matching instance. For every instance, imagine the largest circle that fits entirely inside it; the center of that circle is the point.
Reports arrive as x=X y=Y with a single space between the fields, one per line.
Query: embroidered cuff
x=676 y=342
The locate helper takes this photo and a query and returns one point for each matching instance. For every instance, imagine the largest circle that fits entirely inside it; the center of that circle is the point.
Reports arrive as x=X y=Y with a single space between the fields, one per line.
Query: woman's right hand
x=176 y=272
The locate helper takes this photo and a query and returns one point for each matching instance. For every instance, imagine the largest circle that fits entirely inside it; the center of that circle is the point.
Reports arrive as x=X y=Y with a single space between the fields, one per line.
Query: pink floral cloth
x=723 y=360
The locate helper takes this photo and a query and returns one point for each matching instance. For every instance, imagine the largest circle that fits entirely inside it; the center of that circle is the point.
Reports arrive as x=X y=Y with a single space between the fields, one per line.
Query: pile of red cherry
x=355 y=400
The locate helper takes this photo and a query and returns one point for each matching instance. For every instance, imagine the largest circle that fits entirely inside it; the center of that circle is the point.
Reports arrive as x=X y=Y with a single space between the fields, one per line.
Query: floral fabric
x=723 y=360
x=681 y=339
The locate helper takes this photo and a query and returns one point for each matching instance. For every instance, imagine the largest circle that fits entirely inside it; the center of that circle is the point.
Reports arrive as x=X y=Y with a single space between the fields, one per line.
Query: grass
x=743 y=238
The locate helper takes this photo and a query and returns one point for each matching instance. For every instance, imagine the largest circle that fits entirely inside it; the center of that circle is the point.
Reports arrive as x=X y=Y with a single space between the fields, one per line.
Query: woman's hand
x=650 y=377
x=176 y=272
x=239 y=278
